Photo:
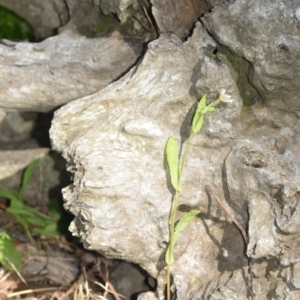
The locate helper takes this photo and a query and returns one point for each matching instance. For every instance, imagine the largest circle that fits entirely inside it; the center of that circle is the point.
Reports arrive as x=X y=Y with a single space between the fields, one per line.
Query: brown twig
x=148 y=17
x=29 y=291
x=230 y=213
x=141 y=23
x=104 y=275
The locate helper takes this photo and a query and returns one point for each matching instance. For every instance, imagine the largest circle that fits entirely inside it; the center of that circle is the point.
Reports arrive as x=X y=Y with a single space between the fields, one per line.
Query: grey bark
x=247 y=154
x=43 y=76
x=114 y=141
x=87 y=54
x=43 y=16
x=267 y=36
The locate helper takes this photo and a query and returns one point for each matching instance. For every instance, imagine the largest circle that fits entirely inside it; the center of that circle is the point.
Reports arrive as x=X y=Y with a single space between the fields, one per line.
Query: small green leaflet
x=199 y=116
x=182 y=223
x=172 y=158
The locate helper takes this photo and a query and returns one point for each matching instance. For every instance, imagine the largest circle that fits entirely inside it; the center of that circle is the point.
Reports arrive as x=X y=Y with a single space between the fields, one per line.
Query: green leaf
x=15 y=205
x=182 y=223
x=37 y=214
x=199 y=115
x=9 y=254
x=172 y=158
x=27 y=217
x=30 y=215
x=55 y=208
x=9 y=195
x=49 y=230
x=27 y=174
x=198 y=124
x=23 y=222
x=34 y=220
x=202 y=103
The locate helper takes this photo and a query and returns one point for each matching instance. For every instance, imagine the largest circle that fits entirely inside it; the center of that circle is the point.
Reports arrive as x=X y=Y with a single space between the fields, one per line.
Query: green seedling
x=29 y=218
x=176 y=171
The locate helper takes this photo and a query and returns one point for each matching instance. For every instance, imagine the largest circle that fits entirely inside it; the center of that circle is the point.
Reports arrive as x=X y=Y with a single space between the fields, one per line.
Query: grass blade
x=28 y=174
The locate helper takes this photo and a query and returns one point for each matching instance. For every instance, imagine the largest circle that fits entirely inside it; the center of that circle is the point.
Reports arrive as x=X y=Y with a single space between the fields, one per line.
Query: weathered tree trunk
x=114 y=134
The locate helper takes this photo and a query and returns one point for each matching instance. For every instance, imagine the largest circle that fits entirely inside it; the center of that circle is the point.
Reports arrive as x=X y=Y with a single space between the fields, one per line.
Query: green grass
x=32 y=221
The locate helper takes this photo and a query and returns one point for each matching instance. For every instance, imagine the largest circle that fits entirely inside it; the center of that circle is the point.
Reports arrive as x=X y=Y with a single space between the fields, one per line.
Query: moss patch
x=13 y=27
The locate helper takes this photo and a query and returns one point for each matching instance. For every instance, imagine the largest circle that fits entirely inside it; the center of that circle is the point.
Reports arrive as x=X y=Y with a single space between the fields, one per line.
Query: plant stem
x=168 y=282
x=172 y=228
x=185 y=154
x=174 y=211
